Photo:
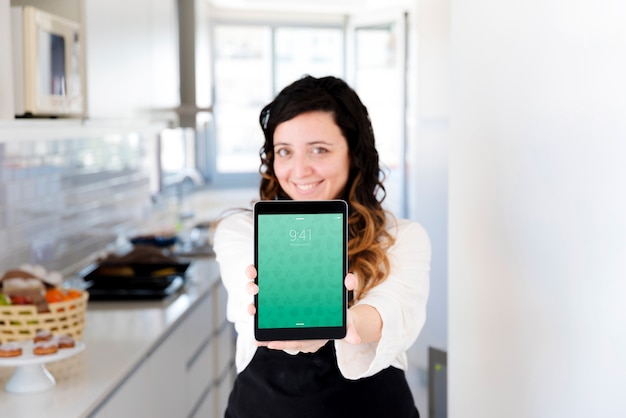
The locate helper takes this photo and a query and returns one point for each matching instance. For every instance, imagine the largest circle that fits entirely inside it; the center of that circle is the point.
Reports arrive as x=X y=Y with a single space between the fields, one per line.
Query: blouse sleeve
x=233 y=245
x=401 y=302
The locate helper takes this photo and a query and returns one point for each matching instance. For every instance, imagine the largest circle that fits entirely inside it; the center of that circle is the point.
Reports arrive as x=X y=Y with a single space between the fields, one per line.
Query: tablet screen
x=301 y=261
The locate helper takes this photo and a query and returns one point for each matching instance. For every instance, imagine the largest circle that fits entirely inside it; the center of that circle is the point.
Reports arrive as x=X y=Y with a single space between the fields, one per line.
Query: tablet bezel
x=265 y=207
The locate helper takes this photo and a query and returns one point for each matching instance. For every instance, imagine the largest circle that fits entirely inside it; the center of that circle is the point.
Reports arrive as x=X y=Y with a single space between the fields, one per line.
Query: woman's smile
x=308 y=186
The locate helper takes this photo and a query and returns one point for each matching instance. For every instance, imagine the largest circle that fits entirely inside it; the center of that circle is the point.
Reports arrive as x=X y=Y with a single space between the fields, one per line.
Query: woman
x=319 y=144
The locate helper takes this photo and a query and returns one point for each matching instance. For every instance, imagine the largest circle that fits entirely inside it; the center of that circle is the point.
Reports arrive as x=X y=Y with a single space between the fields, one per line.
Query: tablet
x=301 y=257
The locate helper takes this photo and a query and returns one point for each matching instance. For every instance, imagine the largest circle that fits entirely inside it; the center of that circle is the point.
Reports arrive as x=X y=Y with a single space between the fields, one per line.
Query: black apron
x=279 y=385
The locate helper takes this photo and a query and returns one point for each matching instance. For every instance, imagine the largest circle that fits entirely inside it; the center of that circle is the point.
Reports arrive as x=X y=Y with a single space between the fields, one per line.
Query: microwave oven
x=46 y=64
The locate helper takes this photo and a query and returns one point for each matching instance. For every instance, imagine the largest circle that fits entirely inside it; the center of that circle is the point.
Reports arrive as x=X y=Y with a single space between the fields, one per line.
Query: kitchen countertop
x=118 y=337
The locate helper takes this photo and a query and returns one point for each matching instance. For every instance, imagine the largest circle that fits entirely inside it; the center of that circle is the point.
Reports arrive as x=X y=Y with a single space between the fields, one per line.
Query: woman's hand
x=305 y=346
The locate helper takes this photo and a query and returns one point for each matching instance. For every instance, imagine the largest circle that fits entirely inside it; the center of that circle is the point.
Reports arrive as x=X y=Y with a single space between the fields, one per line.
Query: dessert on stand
x=40 y=322
x=30 y=374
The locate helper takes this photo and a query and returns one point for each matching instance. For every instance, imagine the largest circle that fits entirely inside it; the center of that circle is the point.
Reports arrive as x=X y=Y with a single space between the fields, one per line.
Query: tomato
x=54 y=295
x=21 y=300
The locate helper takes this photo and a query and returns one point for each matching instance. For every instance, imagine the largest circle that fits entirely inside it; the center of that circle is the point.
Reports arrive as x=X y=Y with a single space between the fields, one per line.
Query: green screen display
x=300 y=270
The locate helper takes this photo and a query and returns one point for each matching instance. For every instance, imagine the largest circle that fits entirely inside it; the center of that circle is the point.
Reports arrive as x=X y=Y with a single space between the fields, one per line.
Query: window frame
x=207 y=152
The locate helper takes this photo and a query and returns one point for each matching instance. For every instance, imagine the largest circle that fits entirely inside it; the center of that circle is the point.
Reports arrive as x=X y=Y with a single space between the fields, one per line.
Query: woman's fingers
x=352 y=337
x=252 y=288
x=251 y=272
x=350 y=281
x=251 y=309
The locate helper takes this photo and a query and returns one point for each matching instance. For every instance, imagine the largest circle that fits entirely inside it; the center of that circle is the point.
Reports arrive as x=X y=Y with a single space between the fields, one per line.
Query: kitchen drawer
x=207 y=407
x=167 y=376
x=215 y=401
x=221 y=297
x=132 y=399
x=222 y=392
x=199 y=326
x=200 y=374
x=225 y=348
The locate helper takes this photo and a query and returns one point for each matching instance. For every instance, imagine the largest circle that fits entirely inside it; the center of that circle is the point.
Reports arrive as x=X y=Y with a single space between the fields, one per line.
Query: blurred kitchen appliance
x=437 y=383
x=145 y=281
x=46 y=64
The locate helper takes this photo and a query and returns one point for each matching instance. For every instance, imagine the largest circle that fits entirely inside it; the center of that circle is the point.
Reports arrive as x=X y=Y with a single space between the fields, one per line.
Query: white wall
x=429 y=128
x=537 y=223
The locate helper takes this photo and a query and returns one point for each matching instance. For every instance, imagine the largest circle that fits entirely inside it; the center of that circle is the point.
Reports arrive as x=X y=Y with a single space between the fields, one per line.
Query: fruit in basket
x=21 y=300
x=54 y=295
x=4 y=299
x=32 y=310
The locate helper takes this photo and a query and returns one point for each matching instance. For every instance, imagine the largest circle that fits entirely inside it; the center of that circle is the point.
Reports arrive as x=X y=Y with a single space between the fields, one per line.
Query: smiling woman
x=319 y=145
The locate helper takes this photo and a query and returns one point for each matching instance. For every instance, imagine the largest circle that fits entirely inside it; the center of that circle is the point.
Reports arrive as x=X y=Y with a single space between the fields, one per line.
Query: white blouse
x=400 y=299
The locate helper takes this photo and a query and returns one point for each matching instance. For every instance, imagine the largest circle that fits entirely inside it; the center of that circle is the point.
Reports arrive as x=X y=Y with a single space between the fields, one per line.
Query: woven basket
x=21 y=322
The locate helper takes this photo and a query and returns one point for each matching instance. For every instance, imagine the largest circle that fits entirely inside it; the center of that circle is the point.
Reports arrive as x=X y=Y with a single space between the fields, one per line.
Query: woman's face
x=311 y=157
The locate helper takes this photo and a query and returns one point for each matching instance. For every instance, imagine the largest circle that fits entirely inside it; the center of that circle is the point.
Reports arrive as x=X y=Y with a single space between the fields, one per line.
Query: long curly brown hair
x=364 y=192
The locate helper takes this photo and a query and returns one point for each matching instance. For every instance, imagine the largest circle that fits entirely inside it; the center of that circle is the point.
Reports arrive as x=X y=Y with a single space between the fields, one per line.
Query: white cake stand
x=30 y=374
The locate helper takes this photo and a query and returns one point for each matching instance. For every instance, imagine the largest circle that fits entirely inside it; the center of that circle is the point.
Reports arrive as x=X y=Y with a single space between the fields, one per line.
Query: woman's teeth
x=305 y=187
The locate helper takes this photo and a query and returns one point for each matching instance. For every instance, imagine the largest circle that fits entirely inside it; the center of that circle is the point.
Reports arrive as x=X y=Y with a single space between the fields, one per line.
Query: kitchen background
x=514 y=166
x=72 y=188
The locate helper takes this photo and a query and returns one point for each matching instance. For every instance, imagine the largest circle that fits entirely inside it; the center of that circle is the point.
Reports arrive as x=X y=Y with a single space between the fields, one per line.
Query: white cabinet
x=188 y=374
x=166 y=371
x=131 y=56
x=131 y=399
x=200 y=368
x=69 y=9
x=225 y=338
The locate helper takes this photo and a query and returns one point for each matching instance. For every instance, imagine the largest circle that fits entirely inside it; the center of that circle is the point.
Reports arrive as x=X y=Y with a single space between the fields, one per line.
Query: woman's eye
x=319 y=150
x=282 y=152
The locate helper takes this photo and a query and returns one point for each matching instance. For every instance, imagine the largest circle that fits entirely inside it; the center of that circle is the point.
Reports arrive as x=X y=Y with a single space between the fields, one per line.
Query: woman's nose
x=301 y=166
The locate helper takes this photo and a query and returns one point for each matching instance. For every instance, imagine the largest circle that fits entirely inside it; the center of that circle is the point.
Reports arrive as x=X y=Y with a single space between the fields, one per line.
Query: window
x=243 y=72
x=252 y=64
x=300 y=51
x=380 y=71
